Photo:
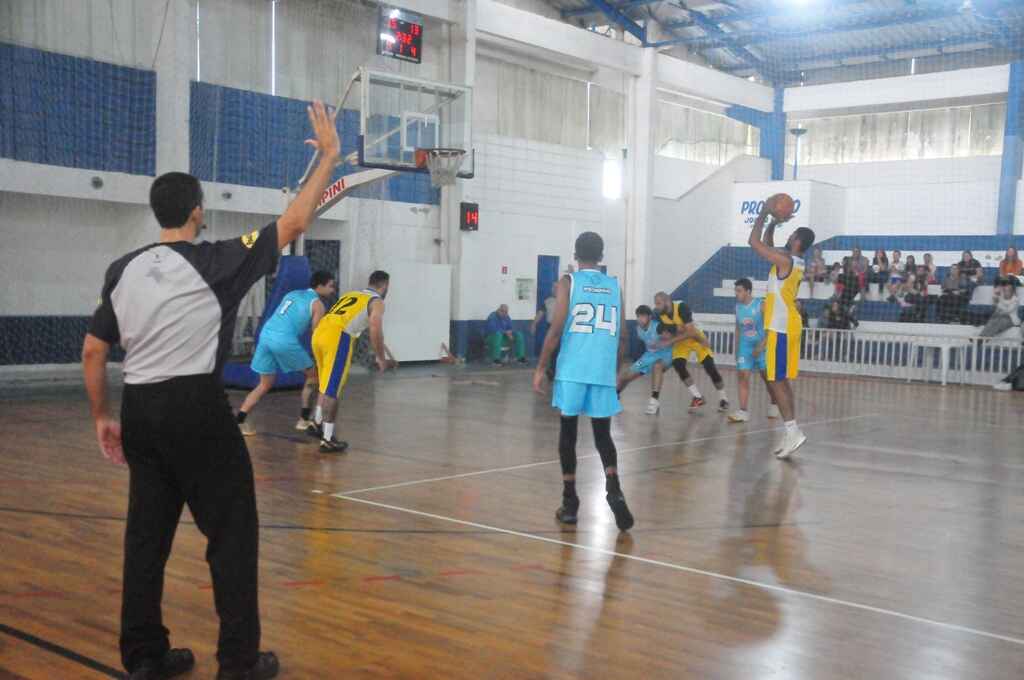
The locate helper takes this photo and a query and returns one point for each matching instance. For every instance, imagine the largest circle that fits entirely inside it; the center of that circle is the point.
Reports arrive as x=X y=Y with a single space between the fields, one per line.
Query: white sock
x=722 y=396
x=694 y=391
x=319 y=417
x=328 y=431
x=791 y=426
x=741 y=412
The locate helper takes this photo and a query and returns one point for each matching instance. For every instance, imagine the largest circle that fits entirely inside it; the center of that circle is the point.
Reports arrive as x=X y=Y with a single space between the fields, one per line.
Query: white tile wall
x=535 y=198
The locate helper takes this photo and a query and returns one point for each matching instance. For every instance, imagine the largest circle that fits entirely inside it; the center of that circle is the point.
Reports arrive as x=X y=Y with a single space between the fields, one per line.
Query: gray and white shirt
x=173 y=306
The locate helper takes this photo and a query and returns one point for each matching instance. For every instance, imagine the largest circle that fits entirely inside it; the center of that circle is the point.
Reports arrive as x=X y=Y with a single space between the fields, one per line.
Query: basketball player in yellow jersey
x=334 y=342
x=781 y=318
x=690 y=339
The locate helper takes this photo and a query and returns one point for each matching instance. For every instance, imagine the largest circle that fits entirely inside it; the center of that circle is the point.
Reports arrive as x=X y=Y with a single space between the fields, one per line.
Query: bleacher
x=710 y=290
x=824 y=291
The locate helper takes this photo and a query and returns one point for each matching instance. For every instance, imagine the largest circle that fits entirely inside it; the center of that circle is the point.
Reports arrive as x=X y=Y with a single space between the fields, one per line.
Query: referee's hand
x=108 y=433
x=325 y=130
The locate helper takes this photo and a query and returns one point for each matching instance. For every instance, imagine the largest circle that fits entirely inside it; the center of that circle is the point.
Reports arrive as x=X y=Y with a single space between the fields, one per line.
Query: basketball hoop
x=443 y=164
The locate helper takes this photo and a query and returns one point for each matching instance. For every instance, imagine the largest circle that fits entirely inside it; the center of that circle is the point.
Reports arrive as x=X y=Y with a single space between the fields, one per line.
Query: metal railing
x=973 y=361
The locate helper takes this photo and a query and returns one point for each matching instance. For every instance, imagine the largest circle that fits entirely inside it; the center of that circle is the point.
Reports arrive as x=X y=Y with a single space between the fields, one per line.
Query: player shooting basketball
x=781 y=317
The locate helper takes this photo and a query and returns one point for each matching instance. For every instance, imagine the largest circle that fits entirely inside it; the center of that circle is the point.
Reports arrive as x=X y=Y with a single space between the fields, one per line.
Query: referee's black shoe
x=315 y=430
x=174 y=662
x=333 y=446
x=266 y=667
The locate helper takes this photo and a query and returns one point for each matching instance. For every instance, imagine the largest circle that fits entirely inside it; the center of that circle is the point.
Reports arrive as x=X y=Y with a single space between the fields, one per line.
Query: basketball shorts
x=279 y=354
x=745 y=359
x=596 y=401
x=682 y=350
x=645 y=364
x=333 y=349
x=781 y=356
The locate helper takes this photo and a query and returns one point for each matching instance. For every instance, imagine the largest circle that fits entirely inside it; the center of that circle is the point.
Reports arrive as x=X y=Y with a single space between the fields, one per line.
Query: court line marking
x=700 y=572
x=525 y=466
x=62 y=651
x=945 y=457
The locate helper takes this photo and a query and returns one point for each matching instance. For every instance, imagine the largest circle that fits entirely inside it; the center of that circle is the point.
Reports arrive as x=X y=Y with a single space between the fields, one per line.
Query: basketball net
x=443 y=164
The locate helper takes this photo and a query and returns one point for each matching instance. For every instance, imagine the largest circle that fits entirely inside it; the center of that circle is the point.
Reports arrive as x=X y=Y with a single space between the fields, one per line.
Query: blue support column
x=1012 y=151
x=773 y=131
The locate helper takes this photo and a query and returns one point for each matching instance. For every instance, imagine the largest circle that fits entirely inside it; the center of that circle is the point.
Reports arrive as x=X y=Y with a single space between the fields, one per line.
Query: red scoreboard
x=401 y=35
x=470 y=216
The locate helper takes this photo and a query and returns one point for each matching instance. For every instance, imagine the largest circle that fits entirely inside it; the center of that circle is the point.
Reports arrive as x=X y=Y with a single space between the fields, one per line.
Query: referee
x=172 y=306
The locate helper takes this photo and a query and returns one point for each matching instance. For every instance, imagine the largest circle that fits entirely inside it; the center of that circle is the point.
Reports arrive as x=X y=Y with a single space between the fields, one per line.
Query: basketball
x=782 y=206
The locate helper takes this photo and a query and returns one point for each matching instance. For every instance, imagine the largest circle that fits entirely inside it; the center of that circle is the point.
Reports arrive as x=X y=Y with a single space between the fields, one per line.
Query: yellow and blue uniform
x=783 y=323
x=585 y=375
x=334 y=340
x=279 y=349
x=680 y=316
x=750 y=320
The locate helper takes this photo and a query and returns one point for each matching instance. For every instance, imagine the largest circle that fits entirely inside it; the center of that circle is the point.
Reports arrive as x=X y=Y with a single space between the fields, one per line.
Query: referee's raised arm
x=172 y=306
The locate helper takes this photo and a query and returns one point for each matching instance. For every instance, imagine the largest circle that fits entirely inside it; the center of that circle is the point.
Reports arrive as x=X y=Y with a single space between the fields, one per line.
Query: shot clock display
x=470 y=219
x=401 y=35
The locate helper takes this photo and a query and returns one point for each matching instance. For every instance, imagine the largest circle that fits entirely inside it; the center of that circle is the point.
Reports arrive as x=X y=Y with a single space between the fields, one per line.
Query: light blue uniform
x=750 y=319
x=588 y=358
x=279 y=349
x=654 y=353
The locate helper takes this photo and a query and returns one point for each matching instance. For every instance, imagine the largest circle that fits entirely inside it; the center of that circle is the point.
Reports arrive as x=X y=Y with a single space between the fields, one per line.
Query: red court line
x=38 y=594
x=460 y=572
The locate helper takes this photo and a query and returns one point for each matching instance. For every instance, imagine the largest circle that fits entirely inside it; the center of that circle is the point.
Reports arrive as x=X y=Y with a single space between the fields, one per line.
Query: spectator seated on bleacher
x=837 y=316
x=930 y=269
x=956 y=294
x=914 y=301
x=971 y=269
x=896 y=267
x=1011 y=264
x=816 y=271
x=834 y=272
x=848 y=285
x=1006 y=312
x=879 y=271
x=860 y=265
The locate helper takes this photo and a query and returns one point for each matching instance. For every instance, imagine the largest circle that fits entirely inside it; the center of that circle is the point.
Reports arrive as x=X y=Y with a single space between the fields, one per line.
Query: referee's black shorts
x=183 y=446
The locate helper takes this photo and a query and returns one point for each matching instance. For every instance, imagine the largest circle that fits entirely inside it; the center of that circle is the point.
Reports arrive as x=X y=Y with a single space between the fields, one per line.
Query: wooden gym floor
x=891 y=547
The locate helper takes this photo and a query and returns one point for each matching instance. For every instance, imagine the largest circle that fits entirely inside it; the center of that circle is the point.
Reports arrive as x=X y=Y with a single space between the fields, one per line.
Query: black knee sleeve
x=712 y=371
x=680 y=366
x=567 y=444
x=603 y=441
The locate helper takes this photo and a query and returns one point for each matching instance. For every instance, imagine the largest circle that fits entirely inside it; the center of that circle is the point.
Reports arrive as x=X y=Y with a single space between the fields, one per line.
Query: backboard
x=399 y=114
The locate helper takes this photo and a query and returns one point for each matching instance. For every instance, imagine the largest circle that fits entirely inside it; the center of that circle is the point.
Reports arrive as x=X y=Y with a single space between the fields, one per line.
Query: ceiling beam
x=714 y=30
x=592 y=9
x=759 y=37
x=799 y=63
x=621 y=20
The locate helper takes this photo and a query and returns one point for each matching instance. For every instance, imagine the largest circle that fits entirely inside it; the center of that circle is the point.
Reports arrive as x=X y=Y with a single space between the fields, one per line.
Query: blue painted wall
x=76 y=113
x=253 y=139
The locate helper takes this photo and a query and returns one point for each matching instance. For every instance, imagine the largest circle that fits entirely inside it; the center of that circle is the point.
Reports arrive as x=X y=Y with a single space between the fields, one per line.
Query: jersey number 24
x=586 y=317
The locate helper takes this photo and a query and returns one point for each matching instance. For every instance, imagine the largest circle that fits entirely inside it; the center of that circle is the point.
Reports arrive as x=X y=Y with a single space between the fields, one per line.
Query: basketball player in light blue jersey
x=280 y=350
x=656 y=358
x=750 y=339
x=589 y=324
